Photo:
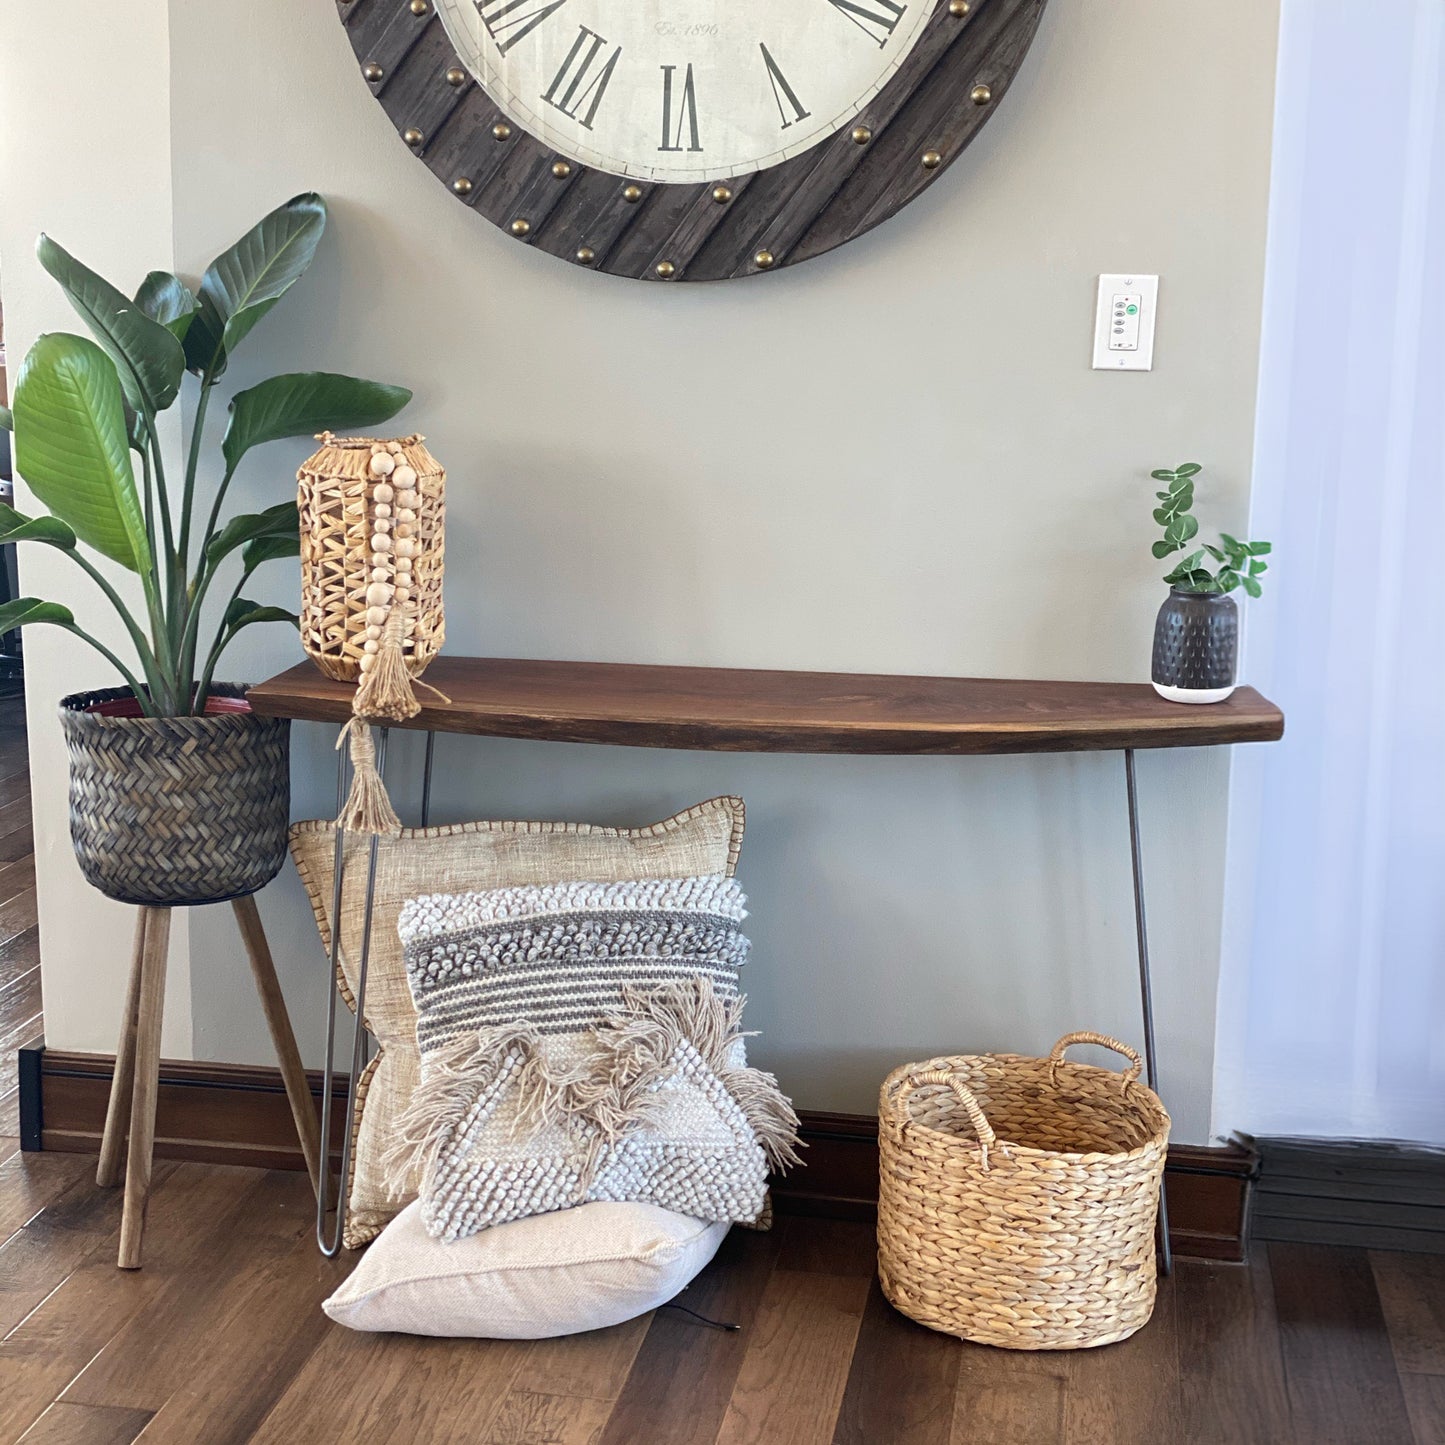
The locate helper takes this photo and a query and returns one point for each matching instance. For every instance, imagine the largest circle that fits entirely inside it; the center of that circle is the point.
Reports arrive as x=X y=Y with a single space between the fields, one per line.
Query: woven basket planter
x=1018 y=1197
x=354 y=572
x=170 y=811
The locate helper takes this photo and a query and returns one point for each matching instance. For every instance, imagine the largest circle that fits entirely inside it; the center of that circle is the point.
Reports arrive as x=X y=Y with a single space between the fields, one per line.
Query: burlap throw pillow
x=583 y=1042
x=460 y=858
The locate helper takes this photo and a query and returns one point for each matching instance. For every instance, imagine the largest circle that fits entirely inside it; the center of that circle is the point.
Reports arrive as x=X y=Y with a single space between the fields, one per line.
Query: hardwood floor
x=220 y=1338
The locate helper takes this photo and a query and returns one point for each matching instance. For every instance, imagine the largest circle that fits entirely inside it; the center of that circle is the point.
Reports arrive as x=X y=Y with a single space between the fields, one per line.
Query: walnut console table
x=779 y=712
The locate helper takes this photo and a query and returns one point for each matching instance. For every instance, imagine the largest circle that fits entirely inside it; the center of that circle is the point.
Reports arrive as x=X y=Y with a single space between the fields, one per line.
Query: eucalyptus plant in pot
x=1196 y=634
x=179 y=794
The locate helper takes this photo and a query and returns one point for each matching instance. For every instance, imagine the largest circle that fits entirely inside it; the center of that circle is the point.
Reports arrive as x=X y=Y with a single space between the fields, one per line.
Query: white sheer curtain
x=1332 y=993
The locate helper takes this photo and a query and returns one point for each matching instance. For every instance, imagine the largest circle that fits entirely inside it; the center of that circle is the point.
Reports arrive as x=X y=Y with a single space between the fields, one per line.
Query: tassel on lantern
x=368 y=808
x=385 y=690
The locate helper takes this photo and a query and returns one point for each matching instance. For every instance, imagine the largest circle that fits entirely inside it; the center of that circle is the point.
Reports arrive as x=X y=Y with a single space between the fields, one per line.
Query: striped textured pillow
x=583 y=1041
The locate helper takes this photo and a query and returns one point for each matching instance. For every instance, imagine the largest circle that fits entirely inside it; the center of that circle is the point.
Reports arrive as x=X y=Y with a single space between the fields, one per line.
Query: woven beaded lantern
x=372 y=551
x=372 y=547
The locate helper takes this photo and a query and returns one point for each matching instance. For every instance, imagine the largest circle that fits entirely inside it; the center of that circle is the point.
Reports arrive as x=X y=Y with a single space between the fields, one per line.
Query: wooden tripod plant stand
x=136 y=1084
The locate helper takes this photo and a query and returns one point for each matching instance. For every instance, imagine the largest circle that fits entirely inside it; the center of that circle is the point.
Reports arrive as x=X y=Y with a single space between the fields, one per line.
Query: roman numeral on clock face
x=509 y=21
x=578 y=83
x=877 y=19
x=782 y=92
x=686 y=111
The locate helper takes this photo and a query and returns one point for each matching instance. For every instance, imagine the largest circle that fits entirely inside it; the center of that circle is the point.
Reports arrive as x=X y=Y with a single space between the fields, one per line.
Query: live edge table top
x=737 y=710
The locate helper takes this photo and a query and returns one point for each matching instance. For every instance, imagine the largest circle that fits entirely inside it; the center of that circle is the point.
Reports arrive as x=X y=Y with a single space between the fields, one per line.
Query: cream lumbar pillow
x=483 y=855
x=555 y=1274
x=583 y=1041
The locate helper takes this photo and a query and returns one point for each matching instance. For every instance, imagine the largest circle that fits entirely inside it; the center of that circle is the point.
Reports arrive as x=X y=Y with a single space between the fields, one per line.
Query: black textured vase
x=1196 y=646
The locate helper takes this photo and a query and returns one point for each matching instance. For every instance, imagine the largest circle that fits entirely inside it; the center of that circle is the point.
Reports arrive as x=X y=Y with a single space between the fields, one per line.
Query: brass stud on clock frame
x=959 y=8
x=501 y=131
x=722 y=194
x=861 y=135
x=763 y=260
x=586 y=255
x=980 y=95
x=932 y=160
x=372 y=71
x=666 y=270
x=421 y=7
x=561 y=170
x=456 y=76
x=521 y=227
x=462 y=186
x=632 y=194
x=412 y=136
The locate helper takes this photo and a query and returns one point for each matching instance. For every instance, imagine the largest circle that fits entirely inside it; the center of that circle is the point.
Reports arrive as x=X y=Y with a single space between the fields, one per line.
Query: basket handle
x=1086 y=1036
x=976 y=1117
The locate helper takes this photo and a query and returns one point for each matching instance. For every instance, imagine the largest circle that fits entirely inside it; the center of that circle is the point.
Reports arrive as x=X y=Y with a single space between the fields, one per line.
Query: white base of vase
x=1193 y=694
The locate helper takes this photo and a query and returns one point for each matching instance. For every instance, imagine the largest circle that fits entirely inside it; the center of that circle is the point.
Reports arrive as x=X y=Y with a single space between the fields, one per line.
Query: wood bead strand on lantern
x=386 y=687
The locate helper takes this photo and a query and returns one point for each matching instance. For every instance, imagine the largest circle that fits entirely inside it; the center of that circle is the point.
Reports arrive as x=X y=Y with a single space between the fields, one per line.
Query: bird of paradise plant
x=85 y=410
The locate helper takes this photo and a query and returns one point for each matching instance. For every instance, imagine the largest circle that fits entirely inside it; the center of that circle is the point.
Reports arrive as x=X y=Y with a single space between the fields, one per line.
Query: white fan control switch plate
x=1124 y=322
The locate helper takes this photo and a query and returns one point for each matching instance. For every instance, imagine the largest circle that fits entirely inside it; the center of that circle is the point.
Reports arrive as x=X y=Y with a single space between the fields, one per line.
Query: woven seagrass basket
x=1018 y=1197
x=354 y=573
x=176 y=810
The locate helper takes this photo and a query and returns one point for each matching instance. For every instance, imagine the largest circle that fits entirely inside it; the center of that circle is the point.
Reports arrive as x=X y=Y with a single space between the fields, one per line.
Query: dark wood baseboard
x=1367 y=1195
x=214 y=1113
x=238 y=1114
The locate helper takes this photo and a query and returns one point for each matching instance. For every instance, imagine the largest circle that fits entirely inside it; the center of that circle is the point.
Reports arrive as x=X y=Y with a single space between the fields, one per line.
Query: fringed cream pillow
x=463 y=857
x=584 y=1042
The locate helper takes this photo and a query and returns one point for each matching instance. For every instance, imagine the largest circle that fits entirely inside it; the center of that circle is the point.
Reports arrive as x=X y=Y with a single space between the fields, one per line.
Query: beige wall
x=84 y=155
x=895 y=458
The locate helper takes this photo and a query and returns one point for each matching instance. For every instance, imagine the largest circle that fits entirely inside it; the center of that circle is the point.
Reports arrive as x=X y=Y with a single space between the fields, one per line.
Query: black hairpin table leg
x=331 y=1245
x=1146 y=992
x=431 y=744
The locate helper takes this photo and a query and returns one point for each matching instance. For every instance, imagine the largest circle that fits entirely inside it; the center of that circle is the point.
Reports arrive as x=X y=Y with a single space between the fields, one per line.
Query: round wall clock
x=688 y=140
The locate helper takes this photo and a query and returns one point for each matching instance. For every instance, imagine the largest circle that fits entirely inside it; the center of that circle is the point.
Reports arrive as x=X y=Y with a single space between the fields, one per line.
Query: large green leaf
x=25 y=610
x=279 y=522
x=242 y=613
x=70 y=446
x=147 y=357
x=16 y=527
x=270 y=549
x=166 y=299
x=303 y=403
x=243 y=283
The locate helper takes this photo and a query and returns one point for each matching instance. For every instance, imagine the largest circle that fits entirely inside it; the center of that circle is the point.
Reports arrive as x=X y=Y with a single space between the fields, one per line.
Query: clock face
x=683 y=91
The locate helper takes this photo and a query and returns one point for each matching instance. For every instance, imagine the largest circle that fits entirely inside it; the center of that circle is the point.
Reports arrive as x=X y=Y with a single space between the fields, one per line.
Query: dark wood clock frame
x=913 y=129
